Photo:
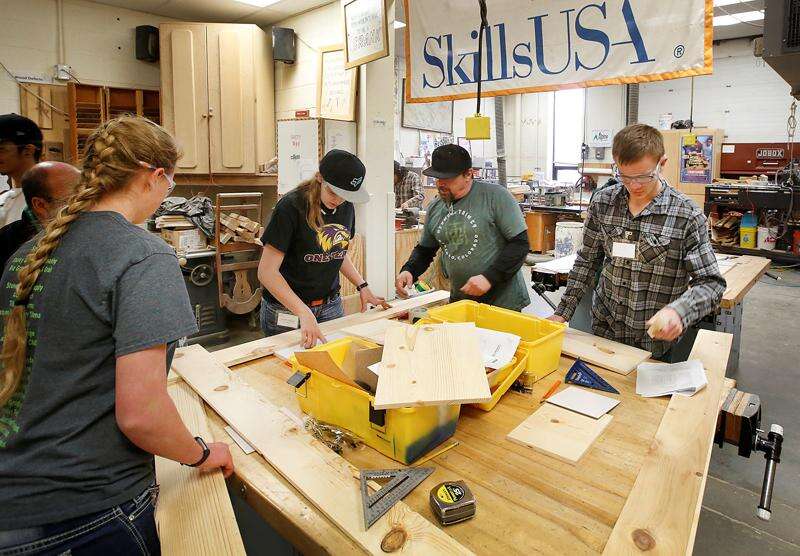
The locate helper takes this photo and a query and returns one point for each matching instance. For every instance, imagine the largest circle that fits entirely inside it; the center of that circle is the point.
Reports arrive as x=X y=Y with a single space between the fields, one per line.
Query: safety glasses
x=641 y=179
x=170 y=180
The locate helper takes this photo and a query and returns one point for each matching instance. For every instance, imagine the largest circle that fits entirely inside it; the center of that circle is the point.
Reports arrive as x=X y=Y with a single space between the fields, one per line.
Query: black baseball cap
x=19 y=130
x=448 y=161
x=344 y=173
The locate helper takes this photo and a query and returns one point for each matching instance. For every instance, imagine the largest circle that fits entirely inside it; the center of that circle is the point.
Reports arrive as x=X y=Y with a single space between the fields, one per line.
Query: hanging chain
x=791 y=128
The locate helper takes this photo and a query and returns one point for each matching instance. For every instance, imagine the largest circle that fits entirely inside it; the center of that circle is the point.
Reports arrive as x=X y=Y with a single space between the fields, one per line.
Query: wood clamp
x=738 y=424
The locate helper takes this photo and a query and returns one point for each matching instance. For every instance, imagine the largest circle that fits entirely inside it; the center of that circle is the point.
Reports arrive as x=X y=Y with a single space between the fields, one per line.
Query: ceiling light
x=259 y=3
x=398 y=24
x=735 y=19
x=726 y=2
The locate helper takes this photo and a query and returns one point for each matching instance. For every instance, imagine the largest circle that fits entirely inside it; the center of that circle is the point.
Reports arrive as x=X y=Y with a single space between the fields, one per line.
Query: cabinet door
x=231 y=87
x=184 y=87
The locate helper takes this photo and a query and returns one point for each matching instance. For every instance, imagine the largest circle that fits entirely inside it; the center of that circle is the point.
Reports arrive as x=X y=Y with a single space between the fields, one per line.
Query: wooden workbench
x=638 y=488
x=741 y=278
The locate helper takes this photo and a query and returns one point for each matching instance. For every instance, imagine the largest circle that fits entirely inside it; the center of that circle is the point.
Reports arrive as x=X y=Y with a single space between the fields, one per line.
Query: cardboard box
x=186 y=240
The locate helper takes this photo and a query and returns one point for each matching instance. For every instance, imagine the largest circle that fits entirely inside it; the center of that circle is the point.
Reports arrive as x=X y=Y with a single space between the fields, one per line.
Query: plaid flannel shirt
x=409 y=188
x=673 y=253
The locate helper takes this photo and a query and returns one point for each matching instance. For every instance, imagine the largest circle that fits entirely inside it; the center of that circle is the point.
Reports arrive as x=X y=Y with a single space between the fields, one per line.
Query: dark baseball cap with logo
x=344 y=173
x=448 y=161
x=19 y=130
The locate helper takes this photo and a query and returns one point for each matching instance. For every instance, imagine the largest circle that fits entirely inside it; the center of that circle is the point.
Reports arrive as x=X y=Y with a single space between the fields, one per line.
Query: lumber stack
x=726 y=229
x=240 y=229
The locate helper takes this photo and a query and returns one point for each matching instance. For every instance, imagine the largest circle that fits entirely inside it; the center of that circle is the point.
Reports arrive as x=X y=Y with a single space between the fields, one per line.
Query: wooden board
x=325 y=478
x=194 y=515
x=662 y=510
x=256 y=349
x=741 y=278
x=608 y=354
x=374 y=331
x=559 y=432
x=436 y=364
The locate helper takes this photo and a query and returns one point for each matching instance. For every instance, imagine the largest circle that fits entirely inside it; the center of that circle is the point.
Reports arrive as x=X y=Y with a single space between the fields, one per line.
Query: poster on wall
x=697 y=158
x=336 y=87
x=430 y=116
x=552 y=44
x=366 y=31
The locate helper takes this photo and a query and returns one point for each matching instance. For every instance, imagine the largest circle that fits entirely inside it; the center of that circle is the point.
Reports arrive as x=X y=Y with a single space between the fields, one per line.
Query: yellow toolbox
x=403 y=434
x=540 y=337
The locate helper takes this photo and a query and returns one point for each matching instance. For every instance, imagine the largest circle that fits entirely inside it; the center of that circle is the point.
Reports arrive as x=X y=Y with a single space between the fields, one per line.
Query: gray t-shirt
x=109 y=289
x=472 y=232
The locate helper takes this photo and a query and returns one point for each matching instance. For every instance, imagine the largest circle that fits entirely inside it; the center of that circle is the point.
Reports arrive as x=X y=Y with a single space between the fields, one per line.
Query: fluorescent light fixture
x=259 y=3
x=398 y=24
x=726 y=2
x=735 y=19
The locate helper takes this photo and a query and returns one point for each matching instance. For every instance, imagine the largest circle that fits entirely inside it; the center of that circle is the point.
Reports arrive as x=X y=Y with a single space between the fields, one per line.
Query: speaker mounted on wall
x=147 y=43
x=284 y=48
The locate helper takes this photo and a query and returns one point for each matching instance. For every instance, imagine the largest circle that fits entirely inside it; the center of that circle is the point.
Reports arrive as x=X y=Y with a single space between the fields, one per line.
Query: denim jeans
x=127 y=529
x=334 y=309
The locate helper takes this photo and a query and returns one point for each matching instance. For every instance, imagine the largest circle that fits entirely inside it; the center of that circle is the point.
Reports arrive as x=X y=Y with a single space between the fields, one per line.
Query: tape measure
x=452 y=502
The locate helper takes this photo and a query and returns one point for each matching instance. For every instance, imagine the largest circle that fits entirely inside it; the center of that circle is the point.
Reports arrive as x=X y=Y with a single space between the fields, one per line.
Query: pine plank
x=194 y=515
x=608 y=354
x=559 y=432
x=661 y=513
x=257 y=349
x=436 y=364
x=741 y=278
x=374 y=331
x=322 y=476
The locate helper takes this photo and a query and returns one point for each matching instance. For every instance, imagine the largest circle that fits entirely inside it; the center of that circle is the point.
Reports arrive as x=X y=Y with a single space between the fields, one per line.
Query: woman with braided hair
x=92 y=307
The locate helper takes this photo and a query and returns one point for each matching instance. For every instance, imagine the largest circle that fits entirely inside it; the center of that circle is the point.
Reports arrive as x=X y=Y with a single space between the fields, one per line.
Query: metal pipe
x=60 y=31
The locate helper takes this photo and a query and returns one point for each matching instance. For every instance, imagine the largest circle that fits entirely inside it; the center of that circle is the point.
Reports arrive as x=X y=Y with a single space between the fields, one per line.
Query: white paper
x=246 y=448
x=287 y=320
x=584 y=402
x=497 y=348
x=287 y=352
x=562 y=265
x=663 y=379
x=728 y=149
x=375 y=368
x=624 y=250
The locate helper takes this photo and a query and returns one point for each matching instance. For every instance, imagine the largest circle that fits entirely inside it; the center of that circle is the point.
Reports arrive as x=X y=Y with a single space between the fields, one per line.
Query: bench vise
x=738 y=424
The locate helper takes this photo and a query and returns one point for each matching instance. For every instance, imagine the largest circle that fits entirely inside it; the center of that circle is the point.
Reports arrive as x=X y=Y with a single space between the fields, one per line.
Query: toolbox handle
x=298 y=379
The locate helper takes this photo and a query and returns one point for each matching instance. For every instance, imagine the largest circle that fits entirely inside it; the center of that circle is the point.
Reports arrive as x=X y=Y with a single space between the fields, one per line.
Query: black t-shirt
x=312 y=260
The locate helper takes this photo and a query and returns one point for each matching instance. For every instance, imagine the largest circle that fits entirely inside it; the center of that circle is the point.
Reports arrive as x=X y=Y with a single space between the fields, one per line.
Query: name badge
x=288 y=320
x=624 y=250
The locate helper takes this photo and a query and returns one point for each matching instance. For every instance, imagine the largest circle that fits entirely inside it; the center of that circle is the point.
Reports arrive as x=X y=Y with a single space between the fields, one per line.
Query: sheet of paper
x=664 y=379
x=562 y=265
x=246 y=448
x=583 y=401
x=376 y=368
x=497 y=348
x=287 y=352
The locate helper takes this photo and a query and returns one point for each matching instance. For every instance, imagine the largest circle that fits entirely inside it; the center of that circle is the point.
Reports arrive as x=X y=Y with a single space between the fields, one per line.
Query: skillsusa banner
x=543 y=45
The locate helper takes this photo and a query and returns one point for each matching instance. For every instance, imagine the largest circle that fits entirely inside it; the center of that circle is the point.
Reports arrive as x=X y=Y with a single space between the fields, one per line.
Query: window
x=568 y=131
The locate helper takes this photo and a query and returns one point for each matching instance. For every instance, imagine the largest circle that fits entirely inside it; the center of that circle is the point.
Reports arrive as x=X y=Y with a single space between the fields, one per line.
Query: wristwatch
x=362 y=286
x=206 y=453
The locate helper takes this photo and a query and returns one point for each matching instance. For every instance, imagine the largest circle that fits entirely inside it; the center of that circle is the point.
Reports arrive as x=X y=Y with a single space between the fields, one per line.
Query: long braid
x=108 y=164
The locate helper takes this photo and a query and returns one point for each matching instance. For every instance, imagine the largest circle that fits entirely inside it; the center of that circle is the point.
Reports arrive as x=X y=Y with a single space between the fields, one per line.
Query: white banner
x=543 y=45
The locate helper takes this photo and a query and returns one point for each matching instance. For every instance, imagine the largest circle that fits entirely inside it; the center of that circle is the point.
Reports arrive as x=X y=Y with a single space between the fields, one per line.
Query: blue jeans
x=127 y=529
x=334 y=309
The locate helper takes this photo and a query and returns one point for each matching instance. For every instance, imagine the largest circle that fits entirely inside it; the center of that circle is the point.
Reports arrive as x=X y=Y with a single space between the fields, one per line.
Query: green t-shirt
x=471 y=233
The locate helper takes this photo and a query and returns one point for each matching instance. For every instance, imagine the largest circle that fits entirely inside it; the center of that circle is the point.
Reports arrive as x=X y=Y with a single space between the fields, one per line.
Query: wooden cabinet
x=91 y=105
x=541 y=231
x=217 y=96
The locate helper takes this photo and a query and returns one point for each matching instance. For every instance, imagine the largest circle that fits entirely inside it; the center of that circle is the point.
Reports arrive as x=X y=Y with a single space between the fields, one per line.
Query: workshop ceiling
x=220 y=11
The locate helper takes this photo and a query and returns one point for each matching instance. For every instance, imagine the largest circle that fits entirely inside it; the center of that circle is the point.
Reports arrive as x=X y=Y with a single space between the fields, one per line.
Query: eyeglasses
x=170 y=180
x=642 y=179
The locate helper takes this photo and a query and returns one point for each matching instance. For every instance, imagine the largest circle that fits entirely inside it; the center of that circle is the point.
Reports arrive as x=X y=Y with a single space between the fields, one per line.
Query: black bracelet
x=206 y=453
x=361 y=287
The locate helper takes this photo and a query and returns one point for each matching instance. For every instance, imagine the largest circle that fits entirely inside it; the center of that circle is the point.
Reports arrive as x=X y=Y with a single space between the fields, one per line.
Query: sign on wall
x=336 y=87
x=365 y=30
x=553 y=44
